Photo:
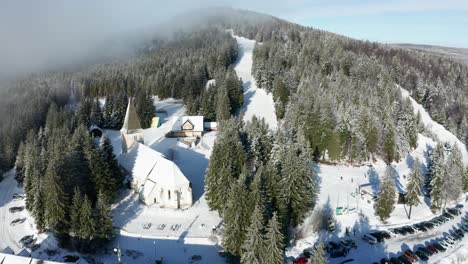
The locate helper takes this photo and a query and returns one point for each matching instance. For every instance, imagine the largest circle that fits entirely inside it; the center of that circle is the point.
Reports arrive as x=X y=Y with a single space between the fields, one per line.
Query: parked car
x=426 y=251
x=307 y=253
x=35 y=247
x=17 y=221
x=409 y=229
x=428 y=225
x=28 y=242
x=410 y=255
x=420 y=227
x=378 y=236
x=454 y=211
x=422 y=256
x=447 y=215
x=445 y=244
x=459 y=206
x=439 y=247
x=370 y=239
x=384 y=234
x=404 y=260
x=465 y=228
x=432 y=249
x=25 y=238
x=16 y=209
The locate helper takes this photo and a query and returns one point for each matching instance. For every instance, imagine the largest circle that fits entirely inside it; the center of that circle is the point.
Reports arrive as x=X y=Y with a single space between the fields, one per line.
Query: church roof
x=151 y=168
x=131 y=121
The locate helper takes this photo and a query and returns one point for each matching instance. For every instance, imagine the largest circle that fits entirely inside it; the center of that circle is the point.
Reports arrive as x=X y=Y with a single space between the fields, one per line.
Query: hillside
x=317 y=137
x=457 y=54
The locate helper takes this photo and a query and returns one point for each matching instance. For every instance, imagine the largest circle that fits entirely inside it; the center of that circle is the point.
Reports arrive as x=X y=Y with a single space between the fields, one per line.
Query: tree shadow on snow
x=374 y=180
x=396 y=178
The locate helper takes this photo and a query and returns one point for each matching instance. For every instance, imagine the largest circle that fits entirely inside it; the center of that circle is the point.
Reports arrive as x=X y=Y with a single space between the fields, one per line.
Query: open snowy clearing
x=256 y=101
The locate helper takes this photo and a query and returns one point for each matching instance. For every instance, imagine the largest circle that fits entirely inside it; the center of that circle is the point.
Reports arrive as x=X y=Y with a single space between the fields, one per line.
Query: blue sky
x=437 y=22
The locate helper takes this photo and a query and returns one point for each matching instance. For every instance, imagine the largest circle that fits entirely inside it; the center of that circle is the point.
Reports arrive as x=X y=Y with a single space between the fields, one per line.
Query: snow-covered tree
x=386 y=196
x=453 y=182
x=274 y=246
x=415 y=183
x=437 y=178
x=253 y=248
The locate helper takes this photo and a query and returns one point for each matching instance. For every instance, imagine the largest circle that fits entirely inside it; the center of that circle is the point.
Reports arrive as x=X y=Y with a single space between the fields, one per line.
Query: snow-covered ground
x=256 y=101
x=338 y=188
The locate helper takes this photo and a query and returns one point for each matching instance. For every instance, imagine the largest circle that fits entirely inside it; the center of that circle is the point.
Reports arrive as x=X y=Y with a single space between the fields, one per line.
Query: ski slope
x=442 y=134
x=256 y=101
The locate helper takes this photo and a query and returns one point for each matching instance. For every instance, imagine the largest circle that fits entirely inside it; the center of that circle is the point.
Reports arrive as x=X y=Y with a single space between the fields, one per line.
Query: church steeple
x=131 y=122
x=131 y=131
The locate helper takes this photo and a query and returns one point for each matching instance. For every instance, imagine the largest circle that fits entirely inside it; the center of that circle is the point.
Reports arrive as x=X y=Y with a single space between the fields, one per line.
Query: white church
x=156 y=179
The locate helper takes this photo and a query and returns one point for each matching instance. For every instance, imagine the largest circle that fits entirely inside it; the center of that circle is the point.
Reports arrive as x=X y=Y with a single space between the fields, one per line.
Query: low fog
x=53 y=34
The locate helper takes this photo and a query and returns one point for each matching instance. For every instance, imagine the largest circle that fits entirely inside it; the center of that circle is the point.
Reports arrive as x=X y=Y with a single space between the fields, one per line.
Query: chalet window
x=169 y=194
x=187 y=125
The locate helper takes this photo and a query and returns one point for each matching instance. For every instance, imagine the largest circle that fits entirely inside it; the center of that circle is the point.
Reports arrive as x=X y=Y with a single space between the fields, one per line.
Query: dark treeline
x=69 y=180
x=263 y=185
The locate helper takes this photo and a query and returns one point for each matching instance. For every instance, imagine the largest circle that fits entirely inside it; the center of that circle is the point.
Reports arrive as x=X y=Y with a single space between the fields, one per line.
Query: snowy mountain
x=310 y=138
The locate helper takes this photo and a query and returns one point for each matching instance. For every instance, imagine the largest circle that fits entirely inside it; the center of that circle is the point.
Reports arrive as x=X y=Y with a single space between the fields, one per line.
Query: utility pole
x=119 y=254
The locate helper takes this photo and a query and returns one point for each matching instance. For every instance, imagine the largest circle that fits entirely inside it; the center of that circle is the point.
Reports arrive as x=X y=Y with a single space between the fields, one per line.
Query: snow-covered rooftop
x=197 y=122
x=146 y=164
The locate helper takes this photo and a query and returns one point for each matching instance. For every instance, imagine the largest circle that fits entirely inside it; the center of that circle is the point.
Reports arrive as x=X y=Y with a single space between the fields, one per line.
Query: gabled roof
x=196 y=121
x=139 y=161
x=131 y=121
x=150 y=167
x=166 y=174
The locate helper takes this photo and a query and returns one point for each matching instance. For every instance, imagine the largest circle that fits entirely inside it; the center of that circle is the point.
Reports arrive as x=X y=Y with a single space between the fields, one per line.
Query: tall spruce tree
x=437 y=175
x=96 y=116
x=55 y=196
x=223 y=109
x=145 y=109
x=386 y=197
x=225 y=165
x=236 y=217
x=414 y=186
x=87 y=228
x=274 y=245
x=453 y=182
x=298 y=184
x=104 y=229
x=253 y=247
x=75 y=213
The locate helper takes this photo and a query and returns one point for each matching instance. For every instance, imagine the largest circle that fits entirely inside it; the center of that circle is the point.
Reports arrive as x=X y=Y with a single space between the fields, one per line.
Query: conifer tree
x=436 y=175
x=145 y=109
x=38 y=210
x=319 y=255
x=104 y=229
x=297 y=184
x=253 y=247
x=236 y=217
x=225 y=165
x=96 y=115
x=87 y=228
x=453 y=181
x=389 y=145
x=223 y=109
x=75 y=211
x=115 y=175
x=386 y=197
x=274 y=246
x=19 y=164
x=465 y=181
x=55 y=196
x=415 y=183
